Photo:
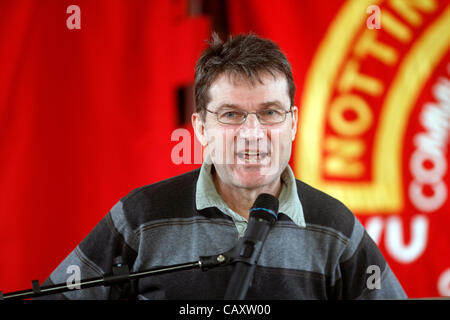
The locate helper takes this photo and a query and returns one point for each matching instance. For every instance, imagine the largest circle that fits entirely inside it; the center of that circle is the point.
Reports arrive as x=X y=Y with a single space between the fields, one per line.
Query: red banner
x=374 y=99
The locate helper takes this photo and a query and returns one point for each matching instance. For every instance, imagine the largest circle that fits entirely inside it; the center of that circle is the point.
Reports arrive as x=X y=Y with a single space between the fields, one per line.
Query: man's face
x=250 y=155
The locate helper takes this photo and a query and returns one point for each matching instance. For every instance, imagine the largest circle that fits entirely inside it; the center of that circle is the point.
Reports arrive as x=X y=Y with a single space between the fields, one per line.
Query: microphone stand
x=245 y=254
x=120 y=274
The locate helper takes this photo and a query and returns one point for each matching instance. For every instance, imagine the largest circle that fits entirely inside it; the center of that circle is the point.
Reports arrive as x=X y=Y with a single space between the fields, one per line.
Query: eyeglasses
x=265 y=116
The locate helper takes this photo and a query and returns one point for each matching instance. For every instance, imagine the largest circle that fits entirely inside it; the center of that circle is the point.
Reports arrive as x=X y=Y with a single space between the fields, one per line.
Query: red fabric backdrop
x=88 y=114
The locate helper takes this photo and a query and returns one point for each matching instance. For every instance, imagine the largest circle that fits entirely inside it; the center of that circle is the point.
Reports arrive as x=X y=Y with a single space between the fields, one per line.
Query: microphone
x=263 y=214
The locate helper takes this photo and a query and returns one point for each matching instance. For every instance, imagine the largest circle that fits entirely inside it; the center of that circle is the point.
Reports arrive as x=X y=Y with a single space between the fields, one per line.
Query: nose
x=252 y=120
x=251 y=128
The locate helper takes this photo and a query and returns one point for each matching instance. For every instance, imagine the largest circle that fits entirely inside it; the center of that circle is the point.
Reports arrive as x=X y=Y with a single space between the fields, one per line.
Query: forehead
x=243 y=92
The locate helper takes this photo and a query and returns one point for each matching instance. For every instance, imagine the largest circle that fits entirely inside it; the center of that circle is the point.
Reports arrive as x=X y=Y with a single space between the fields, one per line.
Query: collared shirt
x=207 y=196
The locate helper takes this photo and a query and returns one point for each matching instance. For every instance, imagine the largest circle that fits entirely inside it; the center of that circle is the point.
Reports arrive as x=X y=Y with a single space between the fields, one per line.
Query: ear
x=294 y=121
x=199 y=128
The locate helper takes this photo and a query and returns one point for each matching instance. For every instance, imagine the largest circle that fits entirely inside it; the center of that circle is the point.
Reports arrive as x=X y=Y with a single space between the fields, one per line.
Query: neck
x=240 y=200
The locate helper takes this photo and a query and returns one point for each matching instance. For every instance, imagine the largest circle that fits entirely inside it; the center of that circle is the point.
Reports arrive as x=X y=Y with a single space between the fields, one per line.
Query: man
x=246 y=119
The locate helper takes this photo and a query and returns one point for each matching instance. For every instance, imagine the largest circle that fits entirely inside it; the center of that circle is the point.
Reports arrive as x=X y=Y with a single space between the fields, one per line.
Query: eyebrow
x=271 y=103
x=263 y=104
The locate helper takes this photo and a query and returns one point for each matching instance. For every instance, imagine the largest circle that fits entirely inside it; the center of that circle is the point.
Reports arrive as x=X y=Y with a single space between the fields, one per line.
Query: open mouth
x=252 y=156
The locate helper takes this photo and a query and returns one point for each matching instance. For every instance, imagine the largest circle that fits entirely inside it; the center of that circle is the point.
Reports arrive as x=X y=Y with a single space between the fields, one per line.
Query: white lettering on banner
x=374 y=227
x=444 y=283
x=428 y=203
x=394 y=239
x=427 y=190
x=428 y=163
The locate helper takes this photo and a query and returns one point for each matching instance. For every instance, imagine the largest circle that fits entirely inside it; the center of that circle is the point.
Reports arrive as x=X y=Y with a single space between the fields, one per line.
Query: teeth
x=252 y=156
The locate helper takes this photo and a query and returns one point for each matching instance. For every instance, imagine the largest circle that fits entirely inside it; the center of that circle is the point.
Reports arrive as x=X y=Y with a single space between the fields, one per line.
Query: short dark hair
x=245 y=55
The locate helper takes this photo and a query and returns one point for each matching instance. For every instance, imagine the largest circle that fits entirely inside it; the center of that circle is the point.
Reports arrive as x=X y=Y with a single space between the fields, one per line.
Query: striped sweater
x=329 y=257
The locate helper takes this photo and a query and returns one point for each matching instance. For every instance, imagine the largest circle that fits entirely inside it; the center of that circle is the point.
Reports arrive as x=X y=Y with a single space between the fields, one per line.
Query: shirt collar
x=290 y=205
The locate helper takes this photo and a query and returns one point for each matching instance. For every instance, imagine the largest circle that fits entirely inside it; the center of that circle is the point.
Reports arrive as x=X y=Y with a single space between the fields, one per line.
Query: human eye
x=270 y=113
x=231 y=116
x=270 y=116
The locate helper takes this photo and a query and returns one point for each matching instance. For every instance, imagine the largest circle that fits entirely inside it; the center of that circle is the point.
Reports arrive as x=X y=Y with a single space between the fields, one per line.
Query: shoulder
x=170 y=198
x=323 y=210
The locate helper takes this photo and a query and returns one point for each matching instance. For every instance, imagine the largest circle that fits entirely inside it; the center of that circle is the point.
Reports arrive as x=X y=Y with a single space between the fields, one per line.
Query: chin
x=252 y=179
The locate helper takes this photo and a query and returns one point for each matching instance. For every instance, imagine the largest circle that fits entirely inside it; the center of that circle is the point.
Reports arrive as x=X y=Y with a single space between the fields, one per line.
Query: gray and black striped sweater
x=159 y=225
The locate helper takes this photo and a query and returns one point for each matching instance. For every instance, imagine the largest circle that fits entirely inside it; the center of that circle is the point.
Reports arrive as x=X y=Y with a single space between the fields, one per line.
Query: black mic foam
x=265 y=207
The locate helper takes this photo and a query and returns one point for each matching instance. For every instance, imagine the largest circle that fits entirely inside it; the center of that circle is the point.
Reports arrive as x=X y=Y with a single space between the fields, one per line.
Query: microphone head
x=265 y=207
